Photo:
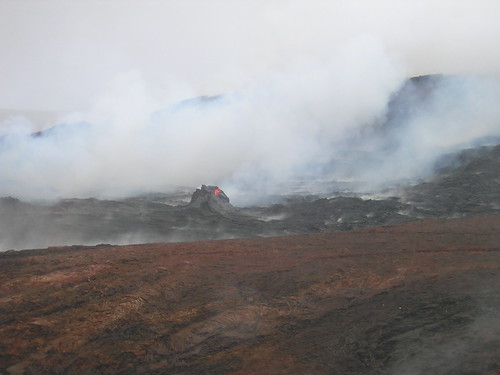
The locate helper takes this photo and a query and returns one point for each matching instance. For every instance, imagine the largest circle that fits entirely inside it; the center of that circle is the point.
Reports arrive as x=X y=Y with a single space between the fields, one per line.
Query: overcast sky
x=60 y=54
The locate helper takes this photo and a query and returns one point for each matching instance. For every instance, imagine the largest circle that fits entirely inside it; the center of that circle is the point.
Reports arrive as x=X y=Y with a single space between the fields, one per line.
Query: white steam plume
x=300 y=85
x=276 y=127
x=458 y=112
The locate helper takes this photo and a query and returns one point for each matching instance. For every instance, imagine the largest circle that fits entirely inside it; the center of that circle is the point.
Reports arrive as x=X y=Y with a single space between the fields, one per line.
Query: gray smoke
x=294 y=128
x=302 y=93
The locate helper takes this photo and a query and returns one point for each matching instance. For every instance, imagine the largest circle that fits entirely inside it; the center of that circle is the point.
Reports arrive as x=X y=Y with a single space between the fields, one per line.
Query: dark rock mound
x=208 y=193
x=414 y=97
x=211 y=198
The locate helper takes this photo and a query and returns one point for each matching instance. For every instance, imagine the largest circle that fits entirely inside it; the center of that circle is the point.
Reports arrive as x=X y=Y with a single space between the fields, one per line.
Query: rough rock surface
x=467 y=183
x=415 y=298
x=401 y=283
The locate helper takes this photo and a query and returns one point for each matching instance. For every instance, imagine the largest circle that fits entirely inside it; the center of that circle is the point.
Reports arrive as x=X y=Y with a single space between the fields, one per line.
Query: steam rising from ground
x=303 y=93
x=453 y=354
x=312 y=122
x=270 y=132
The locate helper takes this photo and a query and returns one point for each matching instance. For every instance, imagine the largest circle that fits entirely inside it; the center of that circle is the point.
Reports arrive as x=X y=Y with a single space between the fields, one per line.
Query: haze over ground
x=301 y=81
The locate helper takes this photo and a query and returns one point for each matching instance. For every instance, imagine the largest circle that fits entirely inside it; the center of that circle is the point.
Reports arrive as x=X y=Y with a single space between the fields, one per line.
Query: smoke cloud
x=238 y=94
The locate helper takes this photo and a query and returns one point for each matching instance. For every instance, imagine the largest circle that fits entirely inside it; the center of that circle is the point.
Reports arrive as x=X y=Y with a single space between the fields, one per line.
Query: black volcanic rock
x=413 y=98
x=208 y=193
x=211 y=200
x=466 y=184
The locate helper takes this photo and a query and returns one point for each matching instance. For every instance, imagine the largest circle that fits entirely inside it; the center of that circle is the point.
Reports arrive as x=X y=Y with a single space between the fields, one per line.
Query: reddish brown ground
x=408 y=299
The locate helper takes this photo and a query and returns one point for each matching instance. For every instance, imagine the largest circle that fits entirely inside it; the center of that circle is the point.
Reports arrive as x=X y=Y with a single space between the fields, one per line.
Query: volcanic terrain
x=466 y=183
x=399 y=281
x=412 y=298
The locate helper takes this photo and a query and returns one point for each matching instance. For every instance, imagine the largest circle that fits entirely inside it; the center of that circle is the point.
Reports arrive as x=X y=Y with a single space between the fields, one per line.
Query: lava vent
x=208 y=194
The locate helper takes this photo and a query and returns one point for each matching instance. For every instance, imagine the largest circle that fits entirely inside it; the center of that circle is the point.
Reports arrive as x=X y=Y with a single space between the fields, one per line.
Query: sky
x=60 y=55
x=300 y=80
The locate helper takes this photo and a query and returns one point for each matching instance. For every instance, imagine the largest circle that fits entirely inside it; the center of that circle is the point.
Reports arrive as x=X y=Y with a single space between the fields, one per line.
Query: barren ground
x=414 y=298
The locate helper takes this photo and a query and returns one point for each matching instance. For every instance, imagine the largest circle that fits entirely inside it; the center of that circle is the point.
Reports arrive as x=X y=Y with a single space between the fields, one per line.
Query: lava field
x=465 y=184
x=406 y=284
x=399 y=281
x=411 y=298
